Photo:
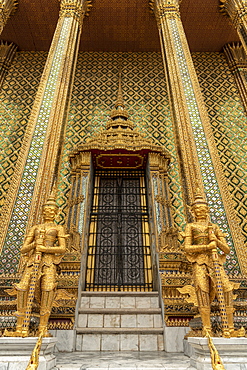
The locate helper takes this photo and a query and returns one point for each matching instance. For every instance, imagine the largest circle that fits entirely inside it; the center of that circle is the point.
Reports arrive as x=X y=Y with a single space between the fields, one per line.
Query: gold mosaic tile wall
x=17 y=96
x=144 y=89
x=229 y=124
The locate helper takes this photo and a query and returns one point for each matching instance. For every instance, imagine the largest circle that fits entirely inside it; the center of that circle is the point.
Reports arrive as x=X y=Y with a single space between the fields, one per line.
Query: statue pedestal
x=233 y=352
x=15 y=353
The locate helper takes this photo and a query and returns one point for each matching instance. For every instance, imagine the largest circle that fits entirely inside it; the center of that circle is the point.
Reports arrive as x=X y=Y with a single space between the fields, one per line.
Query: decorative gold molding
x=7 y=8
x=237 y=11
x=237 y=61
x=235 y=55
x=75 y=8
x=165 y=8
x=7 y=53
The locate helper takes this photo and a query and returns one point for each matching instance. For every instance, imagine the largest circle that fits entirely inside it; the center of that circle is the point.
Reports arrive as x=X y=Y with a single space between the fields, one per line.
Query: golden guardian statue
x=43 y=248
x=203 y=240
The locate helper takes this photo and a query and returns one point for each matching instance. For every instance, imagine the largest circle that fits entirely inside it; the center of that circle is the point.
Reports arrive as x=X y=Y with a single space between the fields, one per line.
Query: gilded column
x=237 y=11
x=7 y=53
x=199 y=160
x=237 y=60
x=38 y=159
x=7 y=8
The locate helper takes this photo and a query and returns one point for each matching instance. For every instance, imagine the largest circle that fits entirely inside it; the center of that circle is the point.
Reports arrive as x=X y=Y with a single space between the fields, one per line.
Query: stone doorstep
x=119 y=294
x=172 y=366
x=120 y=311
x=120 y=342
x=113 y=330
x=125 y=360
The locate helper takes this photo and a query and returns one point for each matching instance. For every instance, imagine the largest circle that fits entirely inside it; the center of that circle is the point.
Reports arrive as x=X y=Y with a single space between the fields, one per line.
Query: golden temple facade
x=127 y=108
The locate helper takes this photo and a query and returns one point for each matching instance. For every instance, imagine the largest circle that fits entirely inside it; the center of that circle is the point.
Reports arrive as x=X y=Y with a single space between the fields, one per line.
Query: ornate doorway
x=119 y=256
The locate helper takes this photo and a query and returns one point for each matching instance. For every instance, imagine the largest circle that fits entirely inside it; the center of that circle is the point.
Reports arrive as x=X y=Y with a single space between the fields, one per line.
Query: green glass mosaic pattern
x=17 y=96
x=229 y=124
x=217 y=211
x=16 y=231
x=145 y=94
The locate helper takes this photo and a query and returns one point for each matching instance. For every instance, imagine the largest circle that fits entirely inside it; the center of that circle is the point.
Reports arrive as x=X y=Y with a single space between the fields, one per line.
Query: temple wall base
x=65 y=340
x=233 y=352
x=174 y=337
x=15 y=353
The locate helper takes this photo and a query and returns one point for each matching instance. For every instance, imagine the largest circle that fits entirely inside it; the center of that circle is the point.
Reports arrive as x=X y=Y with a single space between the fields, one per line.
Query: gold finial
x=51 y=200
x=120 y=101
x=119 y=110
x=119 y=115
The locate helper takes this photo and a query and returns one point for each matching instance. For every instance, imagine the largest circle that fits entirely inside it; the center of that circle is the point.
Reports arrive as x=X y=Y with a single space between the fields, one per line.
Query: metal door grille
x=119 y=244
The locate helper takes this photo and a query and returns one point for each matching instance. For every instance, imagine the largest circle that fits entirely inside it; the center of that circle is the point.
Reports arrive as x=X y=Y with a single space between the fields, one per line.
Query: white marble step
x=119 y=321
x=119 y=300
x=117 y=293
x=122 y=360
x=120 y=341
x=120 y=311
x=117 y=318
x=134 y=330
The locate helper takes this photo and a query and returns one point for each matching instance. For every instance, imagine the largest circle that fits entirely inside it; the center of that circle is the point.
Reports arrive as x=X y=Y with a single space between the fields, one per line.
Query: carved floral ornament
x=236 y=9
x=7 y=8
x=164 y=7
x=76 y=8
x=236 y=56
x=122 y=142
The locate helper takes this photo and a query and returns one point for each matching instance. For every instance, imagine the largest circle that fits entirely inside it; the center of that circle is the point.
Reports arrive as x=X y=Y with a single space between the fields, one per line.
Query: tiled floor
x=122 y=360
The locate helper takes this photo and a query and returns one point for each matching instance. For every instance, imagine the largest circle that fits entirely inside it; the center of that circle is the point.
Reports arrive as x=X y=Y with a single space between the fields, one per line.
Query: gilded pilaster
x=237 y=11
x=167 y=15
x=199 y=159
x=79 y=196
x=7 y=8
x=38 y=161
x=237 y=60
x=7 y=53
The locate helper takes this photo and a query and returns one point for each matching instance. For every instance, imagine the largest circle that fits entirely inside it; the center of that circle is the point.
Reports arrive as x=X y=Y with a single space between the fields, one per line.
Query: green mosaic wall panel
x=146 y=99
x=229 y=124
x=17 y=96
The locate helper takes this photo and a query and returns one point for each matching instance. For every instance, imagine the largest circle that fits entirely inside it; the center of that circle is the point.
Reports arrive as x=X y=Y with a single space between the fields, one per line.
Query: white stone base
x=15 y=353
x=174 y=337
x=65 y=340
x=233 y=352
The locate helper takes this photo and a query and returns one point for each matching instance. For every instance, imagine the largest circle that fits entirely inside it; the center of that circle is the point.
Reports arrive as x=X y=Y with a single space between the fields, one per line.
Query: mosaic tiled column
x=7 y=53
x=199 y=160
x=7 y=8
x=237 y=11
x=237 y=60
x=38 y=160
